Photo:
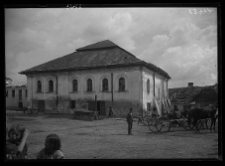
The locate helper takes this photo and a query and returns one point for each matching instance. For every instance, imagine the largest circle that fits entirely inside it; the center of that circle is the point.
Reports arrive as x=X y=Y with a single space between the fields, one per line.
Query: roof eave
x=88 y=68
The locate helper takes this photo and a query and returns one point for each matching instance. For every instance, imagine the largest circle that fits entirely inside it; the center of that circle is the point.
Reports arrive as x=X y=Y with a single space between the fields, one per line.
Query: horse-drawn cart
x=195 y=119
x=163 y=123
x=86 y=114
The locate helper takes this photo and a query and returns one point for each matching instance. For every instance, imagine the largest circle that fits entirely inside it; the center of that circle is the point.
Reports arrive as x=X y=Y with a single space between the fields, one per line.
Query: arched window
x=148 y=86
x=39 y=86
x=121 y=84
x=105 y=85
x=50 y=86
x=89 y=85
x=75 y=86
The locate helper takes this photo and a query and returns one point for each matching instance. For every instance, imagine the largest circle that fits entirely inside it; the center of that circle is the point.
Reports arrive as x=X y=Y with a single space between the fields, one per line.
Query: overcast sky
x=181 y=41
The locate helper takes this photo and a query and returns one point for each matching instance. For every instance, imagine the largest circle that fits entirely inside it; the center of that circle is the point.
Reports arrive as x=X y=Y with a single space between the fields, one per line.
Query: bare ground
x=108 y=139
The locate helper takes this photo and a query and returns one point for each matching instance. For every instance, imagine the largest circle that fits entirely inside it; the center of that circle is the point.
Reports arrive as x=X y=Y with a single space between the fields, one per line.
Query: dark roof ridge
x=98 y=45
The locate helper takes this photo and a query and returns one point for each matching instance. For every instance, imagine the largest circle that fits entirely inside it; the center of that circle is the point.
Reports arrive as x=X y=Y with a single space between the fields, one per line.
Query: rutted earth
x=108 y=139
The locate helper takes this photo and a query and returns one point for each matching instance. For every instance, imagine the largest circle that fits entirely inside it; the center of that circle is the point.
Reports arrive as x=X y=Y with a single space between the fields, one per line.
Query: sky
x=181 y=41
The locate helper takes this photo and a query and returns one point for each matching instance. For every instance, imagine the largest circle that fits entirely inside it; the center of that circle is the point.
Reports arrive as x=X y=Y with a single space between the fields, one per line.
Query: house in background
x=207 y=96
x=16 y=97
x=193 y=96
x=96 y=77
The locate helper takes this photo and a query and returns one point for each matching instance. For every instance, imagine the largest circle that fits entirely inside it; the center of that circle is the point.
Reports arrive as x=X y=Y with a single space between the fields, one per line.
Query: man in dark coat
x=130 y=121
x=110 y=112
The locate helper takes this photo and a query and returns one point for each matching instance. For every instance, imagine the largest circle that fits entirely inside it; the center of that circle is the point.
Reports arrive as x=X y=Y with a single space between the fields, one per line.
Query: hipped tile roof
x=98 y=55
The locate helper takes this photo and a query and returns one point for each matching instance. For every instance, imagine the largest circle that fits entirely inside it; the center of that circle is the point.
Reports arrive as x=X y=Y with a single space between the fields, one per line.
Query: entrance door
x=101 y=107
x=20 y=105
x=41 y=105
x=91 y=105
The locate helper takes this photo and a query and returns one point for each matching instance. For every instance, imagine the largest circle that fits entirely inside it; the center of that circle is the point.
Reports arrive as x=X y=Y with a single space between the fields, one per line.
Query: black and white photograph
x=112 y=82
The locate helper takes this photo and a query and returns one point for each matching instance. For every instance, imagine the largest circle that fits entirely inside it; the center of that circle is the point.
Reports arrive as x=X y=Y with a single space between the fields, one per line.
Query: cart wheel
x=189 y=126
x=152 y=125
x=163 y=126
x=92 y=118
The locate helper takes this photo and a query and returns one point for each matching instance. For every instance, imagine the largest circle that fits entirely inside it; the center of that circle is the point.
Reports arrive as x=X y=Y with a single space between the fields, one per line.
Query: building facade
x=16 y=97
x=96 y=77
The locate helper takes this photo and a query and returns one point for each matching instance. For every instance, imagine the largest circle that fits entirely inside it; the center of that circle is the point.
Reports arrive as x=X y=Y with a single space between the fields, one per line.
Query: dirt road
x=108 y=139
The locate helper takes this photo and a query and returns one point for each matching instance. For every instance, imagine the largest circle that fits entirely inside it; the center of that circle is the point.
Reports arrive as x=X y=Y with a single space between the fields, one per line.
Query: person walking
x=110 y=112
x=130 y=121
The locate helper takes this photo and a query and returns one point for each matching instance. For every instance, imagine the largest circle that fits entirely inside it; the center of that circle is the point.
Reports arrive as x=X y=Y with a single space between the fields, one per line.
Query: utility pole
x=112 y=85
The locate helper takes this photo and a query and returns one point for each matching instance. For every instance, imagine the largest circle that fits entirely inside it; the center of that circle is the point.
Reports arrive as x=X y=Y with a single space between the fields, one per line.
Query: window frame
x=122 y=85
x=105 y=85
x=89 y=85
x=74 y=86
x=39 y=86
x=148 y=86
x=50 y=86
x=13 y=93
x=20 y=94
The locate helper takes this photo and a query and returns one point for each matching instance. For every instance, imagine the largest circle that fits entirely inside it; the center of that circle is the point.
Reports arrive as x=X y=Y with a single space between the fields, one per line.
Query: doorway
x=101 y=107
x=20 y=105
x=41 y=105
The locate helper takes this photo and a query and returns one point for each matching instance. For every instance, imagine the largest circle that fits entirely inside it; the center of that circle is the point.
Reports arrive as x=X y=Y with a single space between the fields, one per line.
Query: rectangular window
x=39 y=86
x=13 y=93
x=20 y=94
x=75 y=86
x=51 y=86
x=72 y=104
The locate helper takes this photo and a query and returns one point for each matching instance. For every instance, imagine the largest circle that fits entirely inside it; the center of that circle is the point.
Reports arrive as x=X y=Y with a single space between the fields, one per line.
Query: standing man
x=176 y=112
x=130 y=121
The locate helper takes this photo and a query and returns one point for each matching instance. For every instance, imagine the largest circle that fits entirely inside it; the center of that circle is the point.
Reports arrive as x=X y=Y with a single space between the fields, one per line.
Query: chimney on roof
x=190 y=84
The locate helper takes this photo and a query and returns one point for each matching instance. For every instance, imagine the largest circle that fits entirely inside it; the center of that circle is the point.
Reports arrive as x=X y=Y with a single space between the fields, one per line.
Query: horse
x=196 y=114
